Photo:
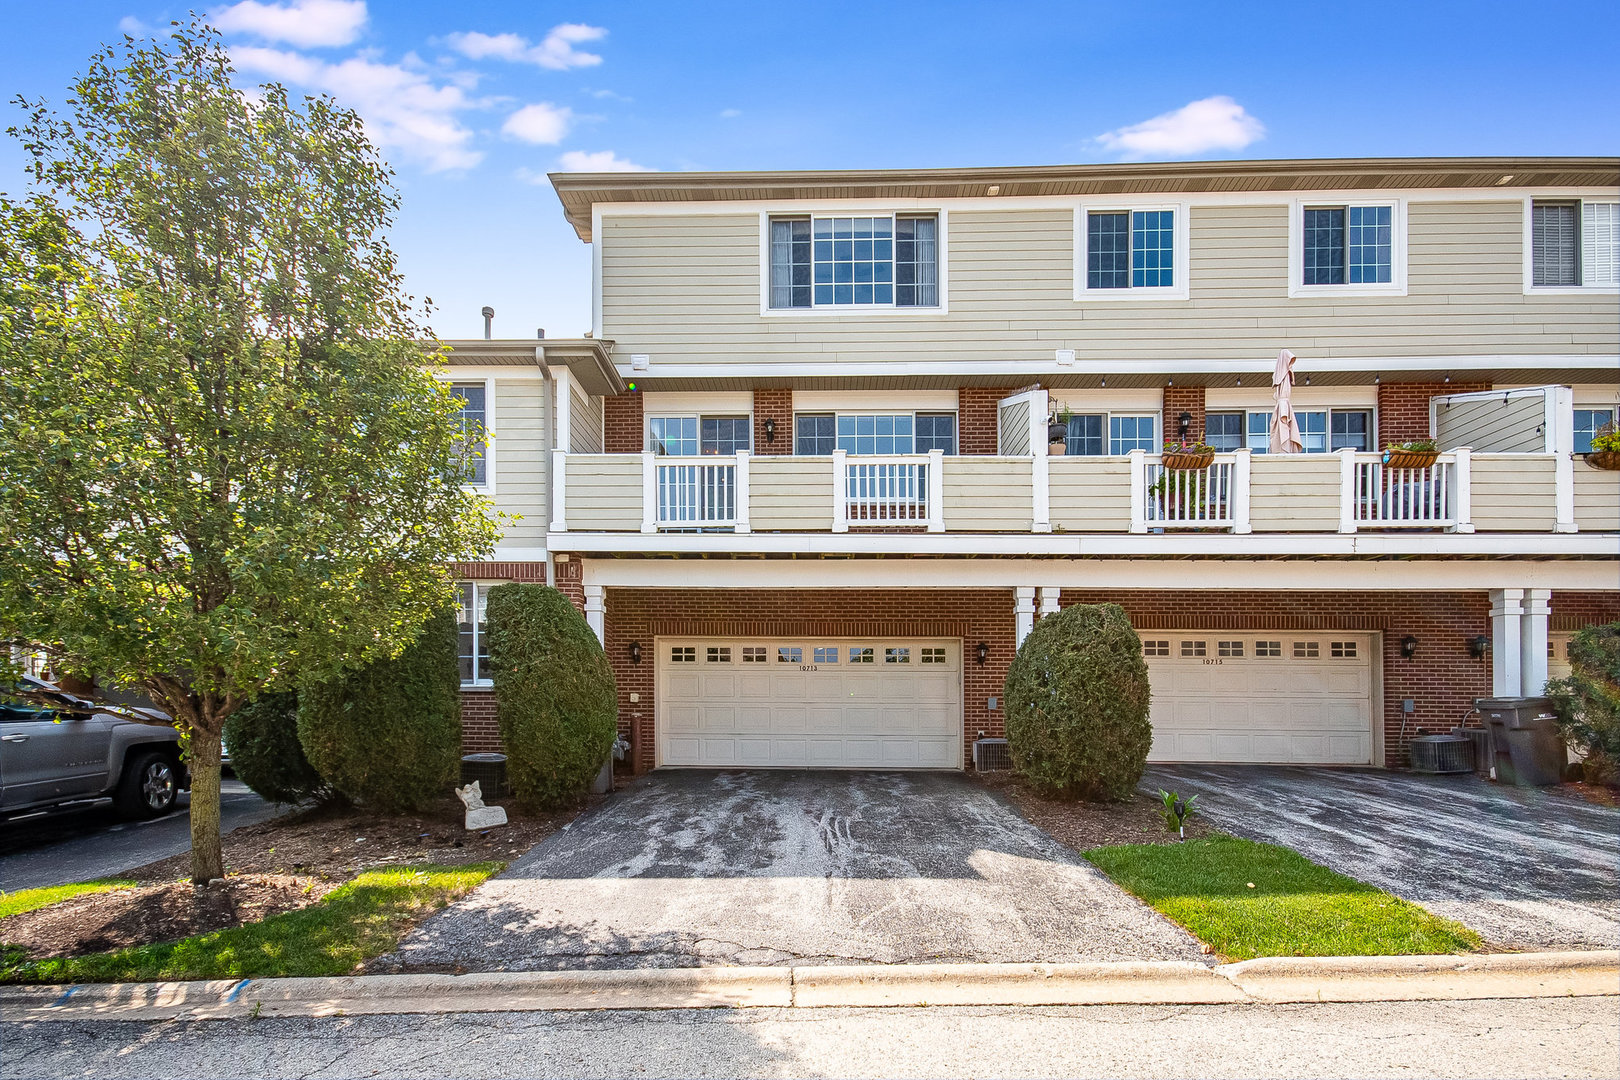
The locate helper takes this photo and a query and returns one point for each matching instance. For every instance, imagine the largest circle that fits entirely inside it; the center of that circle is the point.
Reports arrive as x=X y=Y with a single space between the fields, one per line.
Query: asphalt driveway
x=1524 y=867
x=697 y=867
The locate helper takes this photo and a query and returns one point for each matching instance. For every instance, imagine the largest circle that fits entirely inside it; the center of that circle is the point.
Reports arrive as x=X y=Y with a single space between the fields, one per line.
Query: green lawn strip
x=351 y=924
x=1296 y=907
x=15 y=903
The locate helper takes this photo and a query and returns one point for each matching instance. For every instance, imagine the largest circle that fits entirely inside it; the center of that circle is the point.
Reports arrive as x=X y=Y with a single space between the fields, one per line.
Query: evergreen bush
x=554 y=694
x=266 y=754
x=1588 y=700
x=388 y=735
x=1077 y=698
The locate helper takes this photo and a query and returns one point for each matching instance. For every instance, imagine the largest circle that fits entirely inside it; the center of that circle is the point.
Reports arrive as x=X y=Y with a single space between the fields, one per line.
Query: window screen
x=790 y=263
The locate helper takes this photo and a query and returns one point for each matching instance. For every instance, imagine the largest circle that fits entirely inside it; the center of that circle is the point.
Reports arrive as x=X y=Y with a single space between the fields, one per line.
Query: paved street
x=1524 y=867
x=772 y=867
x=1535 y=1038
x=90 y=841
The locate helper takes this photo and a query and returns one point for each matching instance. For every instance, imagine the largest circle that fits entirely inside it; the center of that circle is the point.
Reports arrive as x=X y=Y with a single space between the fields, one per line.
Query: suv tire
x=149 y=787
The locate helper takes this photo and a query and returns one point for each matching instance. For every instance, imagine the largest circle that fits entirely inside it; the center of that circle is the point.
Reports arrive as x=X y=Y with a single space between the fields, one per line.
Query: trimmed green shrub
x=266 y=754
x=389 y=734
x=1588 y=701
x=1077 y=705
x=554 y=694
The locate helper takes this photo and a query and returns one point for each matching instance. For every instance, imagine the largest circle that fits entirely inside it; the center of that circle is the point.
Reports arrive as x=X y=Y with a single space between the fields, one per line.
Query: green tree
x=1588 y=700
x=224 y=468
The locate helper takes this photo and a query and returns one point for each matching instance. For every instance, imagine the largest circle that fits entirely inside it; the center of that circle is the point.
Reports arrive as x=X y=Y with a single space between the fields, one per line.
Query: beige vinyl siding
x=584 y=422
x=790 y=494
x=1514 y=492
x=985 y=494
x=1597 y=499
x=687 y=289
x=603 y=493
x=1294 y=492
x=1090 y=494
x=1493 y=425
x=518 y=438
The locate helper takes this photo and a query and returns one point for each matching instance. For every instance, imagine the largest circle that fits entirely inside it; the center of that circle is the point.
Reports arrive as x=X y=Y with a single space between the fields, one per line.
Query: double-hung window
x=853 y=262
x=471 y=599
x=692 y=436
x=1348 y=249
x=1588 y=422
x=1573 y=244
x=1139 y=254
x=473 y=414
x=1117 y=433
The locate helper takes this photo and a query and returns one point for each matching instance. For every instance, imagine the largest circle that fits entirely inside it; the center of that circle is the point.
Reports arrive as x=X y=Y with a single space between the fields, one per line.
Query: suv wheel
x=149 y=787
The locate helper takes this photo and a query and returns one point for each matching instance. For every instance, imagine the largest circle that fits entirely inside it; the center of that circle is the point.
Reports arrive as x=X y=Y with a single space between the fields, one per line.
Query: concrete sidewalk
x=1268 y=981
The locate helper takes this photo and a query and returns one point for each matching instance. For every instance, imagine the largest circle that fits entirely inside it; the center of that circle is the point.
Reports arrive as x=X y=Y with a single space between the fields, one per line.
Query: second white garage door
x=822 y=703
x=1224 y=695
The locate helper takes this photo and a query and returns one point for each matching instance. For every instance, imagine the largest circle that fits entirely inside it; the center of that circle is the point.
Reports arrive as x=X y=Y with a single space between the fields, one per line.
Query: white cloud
x=539 y=123
x=1212 y=123
x=730 y=114
x=402 y=109
x=556 y=52
x=132 y=26
x=305 y=23
x=598 y=161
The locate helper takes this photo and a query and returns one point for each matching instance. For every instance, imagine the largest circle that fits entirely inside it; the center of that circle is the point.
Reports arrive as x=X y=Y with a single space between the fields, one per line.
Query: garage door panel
x=717 y=718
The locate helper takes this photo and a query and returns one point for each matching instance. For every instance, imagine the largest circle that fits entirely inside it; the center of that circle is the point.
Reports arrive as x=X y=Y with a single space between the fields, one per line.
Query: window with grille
x=933 y=656
x=1574 y=244
x=683 y=654
x=690 y=436
x=1348 y=245
x=1229 y=648
x=1343 y=650
x=827 y=654
x=1268 y=648
x=865 y=261
x=1156 y=647
x=753 y=654
x=1306 y=650
x=719 y=654
x=897 y=656
x=1588 y=422
x=860 y=656
x=815 y=433
x=1130 y=249
x=1192 y=648
x=1127 y=433
x=790 y=654
x=471 y=625
x=1224 y=431
x=472 y=414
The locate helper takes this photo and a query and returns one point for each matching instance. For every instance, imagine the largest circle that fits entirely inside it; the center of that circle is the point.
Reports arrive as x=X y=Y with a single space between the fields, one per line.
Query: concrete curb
x=1266 y=981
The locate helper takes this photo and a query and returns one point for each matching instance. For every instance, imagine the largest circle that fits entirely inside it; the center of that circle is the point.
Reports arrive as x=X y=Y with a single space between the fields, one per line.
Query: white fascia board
x=1076 y=546
x=1182 y=575
x=504 y=553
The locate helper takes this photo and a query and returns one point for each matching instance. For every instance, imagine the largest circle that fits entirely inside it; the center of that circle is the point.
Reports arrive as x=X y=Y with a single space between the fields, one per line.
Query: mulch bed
x=101 y=922
x=1083 y=825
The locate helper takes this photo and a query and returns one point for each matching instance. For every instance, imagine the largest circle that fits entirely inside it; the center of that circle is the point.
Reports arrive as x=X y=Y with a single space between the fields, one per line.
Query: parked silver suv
x=56 y=748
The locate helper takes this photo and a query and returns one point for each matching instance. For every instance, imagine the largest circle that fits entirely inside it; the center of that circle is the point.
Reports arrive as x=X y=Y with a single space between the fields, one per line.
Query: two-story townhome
x=802 y=476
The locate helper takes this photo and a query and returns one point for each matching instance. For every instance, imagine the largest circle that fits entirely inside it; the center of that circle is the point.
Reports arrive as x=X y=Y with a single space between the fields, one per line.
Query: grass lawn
x=15 y=903
x=352 y=924
x=1294 y=907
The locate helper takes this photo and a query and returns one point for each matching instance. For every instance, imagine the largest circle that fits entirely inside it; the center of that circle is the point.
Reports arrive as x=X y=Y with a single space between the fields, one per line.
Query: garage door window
x=1156 y=648
x=683 y=654
x=933 y=656
x=1229 y=648
x=897 y=656
x=1344 y=650
x=720 y=654
x=1193 y=648
x=860 y=656
x=1268 y=648
x=790 y=654
x=1306 y=650
x=826 y=654
x=754 y=654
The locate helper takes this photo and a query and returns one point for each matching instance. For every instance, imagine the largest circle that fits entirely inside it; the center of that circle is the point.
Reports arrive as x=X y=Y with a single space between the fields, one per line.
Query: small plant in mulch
x=1175 y=811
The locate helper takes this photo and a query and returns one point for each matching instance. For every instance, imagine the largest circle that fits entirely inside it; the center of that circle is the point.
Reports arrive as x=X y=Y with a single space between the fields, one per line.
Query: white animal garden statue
x=479 y=816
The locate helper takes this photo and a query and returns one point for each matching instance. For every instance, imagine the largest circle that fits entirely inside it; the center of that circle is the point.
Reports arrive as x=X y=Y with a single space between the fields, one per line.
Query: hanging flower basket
x=1604 y=459
x=1410 y=459
x=1182 y=461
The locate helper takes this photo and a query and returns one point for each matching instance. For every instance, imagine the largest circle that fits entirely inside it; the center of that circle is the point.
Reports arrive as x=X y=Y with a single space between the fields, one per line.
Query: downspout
x=548 y=409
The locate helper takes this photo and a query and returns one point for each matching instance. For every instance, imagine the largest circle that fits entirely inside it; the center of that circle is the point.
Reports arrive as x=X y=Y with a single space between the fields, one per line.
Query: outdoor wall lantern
x=770 y=430
x=1477 y=646
x=1185 y=422
x=1409 y=646
x=984 y=653
x=635 y=652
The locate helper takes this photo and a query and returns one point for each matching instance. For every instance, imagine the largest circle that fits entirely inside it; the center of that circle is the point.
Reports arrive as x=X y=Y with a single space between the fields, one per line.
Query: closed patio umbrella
x=1284 y=427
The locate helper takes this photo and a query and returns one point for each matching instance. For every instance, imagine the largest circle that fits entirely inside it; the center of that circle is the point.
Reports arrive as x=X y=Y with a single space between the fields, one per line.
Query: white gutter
x=548 y=409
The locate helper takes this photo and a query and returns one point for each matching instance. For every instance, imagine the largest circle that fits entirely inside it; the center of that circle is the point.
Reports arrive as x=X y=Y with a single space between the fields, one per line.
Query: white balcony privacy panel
x=1494 y=421
x=697 y=495
x=1012 y=427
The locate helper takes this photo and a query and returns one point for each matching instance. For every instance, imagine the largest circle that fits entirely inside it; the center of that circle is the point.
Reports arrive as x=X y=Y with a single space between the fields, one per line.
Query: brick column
x=1403 y=408
x=621 y=424
x=774 y=405
x=976 y=419
x=1183 y=399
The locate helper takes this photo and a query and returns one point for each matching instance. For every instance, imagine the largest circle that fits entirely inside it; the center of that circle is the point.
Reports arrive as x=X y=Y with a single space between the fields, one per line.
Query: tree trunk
x=207 y=860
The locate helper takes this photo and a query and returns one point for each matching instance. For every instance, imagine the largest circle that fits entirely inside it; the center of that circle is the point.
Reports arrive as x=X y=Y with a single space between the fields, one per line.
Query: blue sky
x=474 y=102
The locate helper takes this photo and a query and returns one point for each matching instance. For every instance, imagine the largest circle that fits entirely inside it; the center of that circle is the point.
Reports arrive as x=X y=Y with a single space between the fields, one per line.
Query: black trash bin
x=1524 y=734
x=490 y=772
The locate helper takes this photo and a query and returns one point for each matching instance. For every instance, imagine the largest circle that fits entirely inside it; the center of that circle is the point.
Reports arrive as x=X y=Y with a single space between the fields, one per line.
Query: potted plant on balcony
x=1605 y=452
x=1057 y=431
x=1187 y=456
x=1413 y=454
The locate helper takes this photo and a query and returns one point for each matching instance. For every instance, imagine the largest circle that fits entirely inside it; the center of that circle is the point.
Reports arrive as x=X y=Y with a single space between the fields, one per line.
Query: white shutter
x=1600 y=243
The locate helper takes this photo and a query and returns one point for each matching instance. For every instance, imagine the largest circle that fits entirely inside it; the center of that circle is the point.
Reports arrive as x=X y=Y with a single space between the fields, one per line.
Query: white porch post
x=1138 y=491
x=936 y=491
x=1025 y=609
x=741 y=508
x=1560 y=422
x=1347 y=491
x=1533 y=642
x=1507 y=617
x=840 y=493
x=559 y=491
x=1040 y=464
x=1240 y=491
x=1462 y=493
x=649 y=492
x=596 y=612
x=1049 y=600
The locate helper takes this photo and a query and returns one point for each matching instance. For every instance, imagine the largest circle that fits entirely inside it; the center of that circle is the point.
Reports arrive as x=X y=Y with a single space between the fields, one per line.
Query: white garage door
x=816 y=703
x=1222 y=695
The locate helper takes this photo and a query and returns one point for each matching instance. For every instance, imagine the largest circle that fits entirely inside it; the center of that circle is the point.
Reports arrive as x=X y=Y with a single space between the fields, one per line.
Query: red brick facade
x=977 y=418
x=1183 y=399
x=1403 y=408
x=775 y=405
x=622 y=424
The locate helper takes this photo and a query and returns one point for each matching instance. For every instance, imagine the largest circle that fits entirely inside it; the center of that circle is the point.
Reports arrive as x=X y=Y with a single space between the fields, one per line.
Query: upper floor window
x=1574 y=244
x=1131 y=253
x=1320 y=430
x=870 y=261
x=1117 y=433
x=473 y=414
x=691 y=436
x=1588 y=422
x=875 y=433
x=1348 y=249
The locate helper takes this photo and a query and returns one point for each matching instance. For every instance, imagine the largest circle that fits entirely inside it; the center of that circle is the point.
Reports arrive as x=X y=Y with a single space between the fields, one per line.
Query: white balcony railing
x=697 y=496
x=1194 y=498
x=1375 y=496
x=888 y=491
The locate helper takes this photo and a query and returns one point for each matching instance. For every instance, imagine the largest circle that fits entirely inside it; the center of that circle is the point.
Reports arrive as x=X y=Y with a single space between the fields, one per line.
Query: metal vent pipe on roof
x=489 y=321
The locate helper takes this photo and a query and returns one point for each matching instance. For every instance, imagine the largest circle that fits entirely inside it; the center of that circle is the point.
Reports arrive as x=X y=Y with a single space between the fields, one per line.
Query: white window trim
x=451 y=379
x=876 y=410
x=1181 y=248
x=1157 y=416
x=1530 y=258
x=1396 y=286
x=886 y=311
x=485 y=683
x=1302 y=407
x=689 y=413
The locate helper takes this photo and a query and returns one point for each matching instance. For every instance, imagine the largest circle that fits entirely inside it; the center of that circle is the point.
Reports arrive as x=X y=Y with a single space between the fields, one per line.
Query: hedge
x=266 y=754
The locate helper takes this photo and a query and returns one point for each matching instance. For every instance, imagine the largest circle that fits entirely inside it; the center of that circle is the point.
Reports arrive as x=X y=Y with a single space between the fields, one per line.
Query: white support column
x=742 y=491
x=1347 y=491
x=1138 y=491
x=1507 y=618
x=1560 y=421
x=936 y=491
x=1049 y=600
x=596 y=612
x=565 y=406
x=1040 y=466
x=1533 y=642
x=1024 y=607
x=840 y=493
x=559 y=491
x=1240 y=491
x=1040 y=407
x=649 y=492
x=1462 y=489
